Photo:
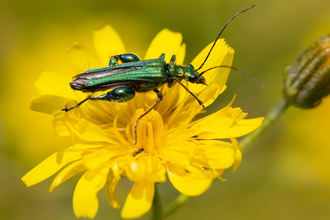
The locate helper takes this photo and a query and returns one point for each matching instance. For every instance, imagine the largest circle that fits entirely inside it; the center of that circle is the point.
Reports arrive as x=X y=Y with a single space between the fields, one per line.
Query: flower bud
x=307 y=81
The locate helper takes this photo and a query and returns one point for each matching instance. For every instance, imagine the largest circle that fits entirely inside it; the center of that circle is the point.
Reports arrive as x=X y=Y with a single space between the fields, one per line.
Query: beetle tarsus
x=76 y=106
x=138 y=152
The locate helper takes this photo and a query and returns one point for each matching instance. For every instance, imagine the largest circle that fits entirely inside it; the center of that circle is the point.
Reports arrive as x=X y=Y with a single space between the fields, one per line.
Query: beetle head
x=193 y=76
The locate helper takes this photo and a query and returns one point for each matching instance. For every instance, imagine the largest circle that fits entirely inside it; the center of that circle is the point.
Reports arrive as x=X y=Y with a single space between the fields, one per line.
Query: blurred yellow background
x=285 y=174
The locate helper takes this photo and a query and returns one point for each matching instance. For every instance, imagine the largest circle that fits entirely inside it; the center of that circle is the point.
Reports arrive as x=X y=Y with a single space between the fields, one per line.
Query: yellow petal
x=215 y=154
x=51 y=83
x=238 y=156
x=146 y=166
x=48 y=103
x=180 y=55
x=185 y=117
x=81 y=58
x=218 y=173
x=220 y=75
x=172 y=103
x=85 y=129
x=107 y=43
x=167 y=42
x=50 y=166
x=225 y=123
x=97 y=158
x=85 y=201
x=177 y=152
x=244 y=126
x=110 y=190
x=190 y=184
x=59 y=124
x=133 y=172
x=66 y=174
x=139 y=199
x=209 y=95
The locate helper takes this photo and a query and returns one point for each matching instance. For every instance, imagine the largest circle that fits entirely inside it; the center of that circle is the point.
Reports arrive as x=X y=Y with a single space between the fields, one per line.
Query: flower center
x=150 y=131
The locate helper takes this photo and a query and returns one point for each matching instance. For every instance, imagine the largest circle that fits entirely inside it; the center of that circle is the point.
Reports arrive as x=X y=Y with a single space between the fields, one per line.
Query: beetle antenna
x=238 y=70
x=221 y=33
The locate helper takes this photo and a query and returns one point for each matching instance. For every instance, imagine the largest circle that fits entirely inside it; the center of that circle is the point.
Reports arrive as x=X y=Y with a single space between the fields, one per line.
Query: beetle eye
x=192 y=78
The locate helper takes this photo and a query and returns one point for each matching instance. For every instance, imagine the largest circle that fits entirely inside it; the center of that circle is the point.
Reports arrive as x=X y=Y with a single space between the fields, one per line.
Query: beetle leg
x=173 y=59
x=124 y=58
x=76 y=106
x=160 y=98
x=120 y=94
x=193 y=95
x=162 y=56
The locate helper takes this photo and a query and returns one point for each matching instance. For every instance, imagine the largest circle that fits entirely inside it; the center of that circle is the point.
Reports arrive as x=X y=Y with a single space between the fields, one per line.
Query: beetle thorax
x=187 y=73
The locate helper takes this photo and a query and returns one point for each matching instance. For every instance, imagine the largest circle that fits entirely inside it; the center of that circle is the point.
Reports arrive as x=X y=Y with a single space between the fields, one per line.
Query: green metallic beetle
x=135 y=75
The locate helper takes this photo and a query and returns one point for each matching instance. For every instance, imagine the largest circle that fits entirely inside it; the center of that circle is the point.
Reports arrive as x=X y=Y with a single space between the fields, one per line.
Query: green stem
x=270 y=118
x=176 y=204
x=157 y=206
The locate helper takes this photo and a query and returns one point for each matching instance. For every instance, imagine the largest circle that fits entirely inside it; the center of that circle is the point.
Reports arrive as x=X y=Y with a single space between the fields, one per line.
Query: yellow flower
x=104 y=147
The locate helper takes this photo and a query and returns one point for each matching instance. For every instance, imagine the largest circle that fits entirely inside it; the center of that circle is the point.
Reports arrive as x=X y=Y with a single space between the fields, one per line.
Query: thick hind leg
x=120 y=94
x=124 y=58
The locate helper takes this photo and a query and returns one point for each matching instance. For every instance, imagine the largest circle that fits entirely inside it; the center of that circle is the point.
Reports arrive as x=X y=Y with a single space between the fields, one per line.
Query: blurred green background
x=284 y=175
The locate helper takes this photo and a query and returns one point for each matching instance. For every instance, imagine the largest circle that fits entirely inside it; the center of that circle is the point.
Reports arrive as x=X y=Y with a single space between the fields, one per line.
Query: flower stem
x=270 y=118
x=157 y=206
x=176 y=204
